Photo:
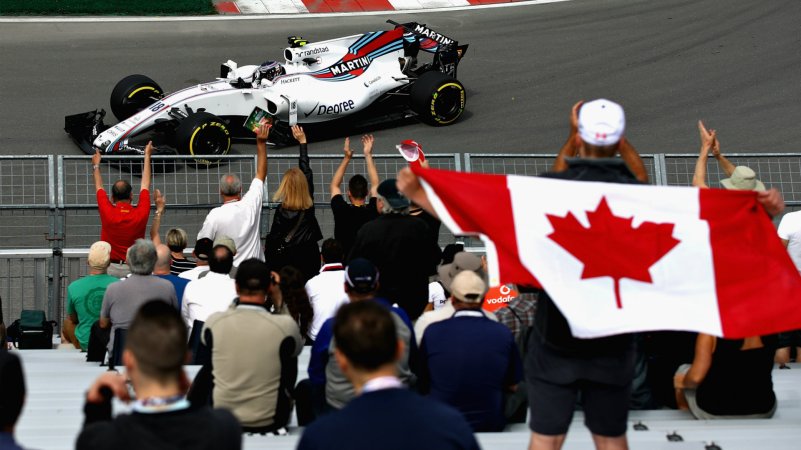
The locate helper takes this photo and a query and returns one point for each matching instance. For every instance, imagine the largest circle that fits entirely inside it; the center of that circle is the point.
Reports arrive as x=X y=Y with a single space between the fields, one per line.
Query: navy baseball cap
x=361 y=275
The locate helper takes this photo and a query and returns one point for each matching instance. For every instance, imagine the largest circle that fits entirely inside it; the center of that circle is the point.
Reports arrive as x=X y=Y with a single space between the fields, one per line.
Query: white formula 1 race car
x=364 y=78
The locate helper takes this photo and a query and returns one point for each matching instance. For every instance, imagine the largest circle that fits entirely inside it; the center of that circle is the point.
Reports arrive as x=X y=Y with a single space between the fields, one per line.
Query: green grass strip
x=106 y=7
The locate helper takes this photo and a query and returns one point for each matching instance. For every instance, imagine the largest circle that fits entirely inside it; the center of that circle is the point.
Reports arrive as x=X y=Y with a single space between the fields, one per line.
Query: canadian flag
x=619 y=258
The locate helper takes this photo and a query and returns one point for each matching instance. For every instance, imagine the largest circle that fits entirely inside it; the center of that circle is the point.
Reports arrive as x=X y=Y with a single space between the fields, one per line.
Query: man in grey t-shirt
x=123 y=298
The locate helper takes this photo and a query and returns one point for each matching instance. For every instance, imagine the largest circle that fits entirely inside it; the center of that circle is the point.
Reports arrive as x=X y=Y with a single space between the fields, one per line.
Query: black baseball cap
x=388 y=189
x=253 y=275
x=203 y=248
x=361 y=275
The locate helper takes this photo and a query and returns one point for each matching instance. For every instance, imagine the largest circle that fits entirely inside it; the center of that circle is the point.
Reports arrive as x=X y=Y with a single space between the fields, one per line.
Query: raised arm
x=336 y=181
x=161 y=203
x=146 y=167
x=632 y=159
x=413 y=190
x=725 y=165
x=262 y=133
x=372 y=172
x=96 y=170
x=569 y=149
x=708 y=139
x=303 y=158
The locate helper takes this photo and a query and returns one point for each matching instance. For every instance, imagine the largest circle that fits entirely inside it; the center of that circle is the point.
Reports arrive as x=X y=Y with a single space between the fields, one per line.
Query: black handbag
x=284 y=244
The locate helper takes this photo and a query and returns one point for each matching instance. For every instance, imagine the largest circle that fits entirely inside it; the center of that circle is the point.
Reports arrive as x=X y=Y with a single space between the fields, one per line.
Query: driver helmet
x=268 y=70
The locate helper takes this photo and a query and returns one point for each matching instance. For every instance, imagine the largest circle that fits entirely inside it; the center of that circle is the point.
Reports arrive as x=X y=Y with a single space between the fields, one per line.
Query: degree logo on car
x=336 y=108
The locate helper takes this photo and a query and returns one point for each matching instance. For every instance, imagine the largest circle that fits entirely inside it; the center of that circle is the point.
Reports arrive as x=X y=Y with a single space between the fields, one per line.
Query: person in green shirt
x=85 y=297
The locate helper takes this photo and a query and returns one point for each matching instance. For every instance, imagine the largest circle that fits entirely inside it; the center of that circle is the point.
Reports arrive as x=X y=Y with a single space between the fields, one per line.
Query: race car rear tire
x=133 y=94
x=438 y=99
x=203 y=135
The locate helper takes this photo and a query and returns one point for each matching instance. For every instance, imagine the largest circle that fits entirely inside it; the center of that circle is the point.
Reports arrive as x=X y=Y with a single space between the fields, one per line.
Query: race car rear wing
x=447 y=51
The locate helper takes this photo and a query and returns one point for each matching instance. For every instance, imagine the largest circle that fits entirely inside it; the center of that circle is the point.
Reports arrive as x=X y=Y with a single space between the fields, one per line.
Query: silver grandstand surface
x=57 y=380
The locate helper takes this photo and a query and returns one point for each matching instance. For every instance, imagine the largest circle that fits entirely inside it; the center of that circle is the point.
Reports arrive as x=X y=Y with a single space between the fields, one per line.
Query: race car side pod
x=85 y=127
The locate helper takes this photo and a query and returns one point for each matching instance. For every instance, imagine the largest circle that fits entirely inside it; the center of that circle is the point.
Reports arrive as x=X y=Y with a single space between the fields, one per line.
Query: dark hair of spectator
x=357 y=186
x=121 y=190
x=221 y=260
x=253 y=276
x=450 y=251
x=157 y=338
x=293 y=293
x=12 y=389
x=365 y=333
x=332 y=251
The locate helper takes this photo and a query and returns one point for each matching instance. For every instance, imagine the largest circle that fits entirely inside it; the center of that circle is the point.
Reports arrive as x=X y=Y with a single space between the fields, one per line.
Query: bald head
x=163 y=259
x=230 y=185
x=121 y=191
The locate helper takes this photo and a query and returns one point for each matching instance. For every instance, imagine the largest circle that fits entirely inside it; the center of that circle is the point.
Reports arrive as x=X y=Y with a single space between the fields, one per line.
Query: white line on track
x=62 y=19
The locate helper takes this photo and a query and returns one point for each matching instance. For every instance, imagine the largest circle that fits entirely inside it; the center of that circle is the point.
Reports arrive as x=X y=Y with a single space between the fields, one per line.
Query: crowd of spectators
x=387 y=316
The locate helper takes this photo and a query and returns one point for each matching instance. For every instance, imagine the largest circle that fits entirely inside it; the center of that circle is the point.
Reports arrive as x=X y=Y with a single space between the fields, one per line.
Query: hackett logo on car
x=348 y=66
x=499 y=297
x=336 y=109
x=433 y=35
x=289 y=80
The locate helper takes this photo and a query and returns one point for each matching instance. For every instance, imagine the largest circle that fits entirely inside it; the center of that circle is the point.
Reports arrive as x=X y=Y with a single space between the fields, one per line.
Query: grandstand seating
x=57 y=379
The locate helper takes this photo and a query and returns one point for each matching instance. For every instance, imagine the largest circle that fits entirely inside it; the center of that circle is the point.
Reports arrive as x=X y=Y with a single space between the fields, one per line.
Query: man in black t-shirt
x=349 y=217
x=162 y=417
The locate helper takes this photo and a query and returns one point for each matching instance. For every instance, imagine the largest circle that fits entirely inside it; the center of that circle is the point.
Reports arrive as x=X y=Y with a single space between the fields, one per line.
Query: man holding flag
x=614 y=257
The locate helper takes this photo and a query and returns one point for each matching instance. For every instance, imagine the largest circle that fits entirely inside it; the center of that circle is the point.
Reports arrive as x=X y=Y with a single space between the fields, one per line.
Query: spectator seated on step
x=85 y=297
x=123 y=298
x=326 y=291
x=388 y=415
x=728 y=378
x=469 y=361
x=12 y=397
x=253 y=365
x=161 y=417
x=216 y=290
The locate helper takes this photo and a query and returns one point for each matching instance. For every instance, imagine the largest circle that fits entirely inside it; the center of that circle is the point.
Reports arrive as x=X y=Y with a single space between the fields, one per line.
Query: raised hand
x=161 y=201
x=708 y=139
x=367 y=144
x=149 y=148
x=347 y=150
x=299 y=134
x=262 y=132
x=96 y=157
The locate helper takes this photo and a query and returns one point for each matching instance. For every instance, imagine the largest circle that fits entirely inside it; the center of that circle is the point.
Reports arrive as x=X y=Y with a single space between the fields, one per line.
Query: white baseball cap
x=601 y=122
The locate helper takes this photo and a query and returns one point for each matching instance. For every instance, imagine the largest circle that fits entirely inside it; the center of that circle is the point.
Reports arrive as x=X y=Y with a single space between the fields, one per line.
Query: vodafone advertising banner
x=498 y=297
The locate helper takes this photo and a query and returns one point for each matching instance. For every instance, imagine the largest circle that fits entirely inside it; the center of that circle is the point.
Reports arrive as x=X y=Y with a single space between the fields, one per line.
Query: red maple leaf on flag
x=611 y=247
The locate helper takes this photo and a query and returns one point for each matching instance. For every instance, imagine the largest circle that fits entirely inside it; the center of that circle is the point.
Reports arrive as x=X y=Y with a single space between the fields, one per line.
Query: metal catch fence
x=48 y=209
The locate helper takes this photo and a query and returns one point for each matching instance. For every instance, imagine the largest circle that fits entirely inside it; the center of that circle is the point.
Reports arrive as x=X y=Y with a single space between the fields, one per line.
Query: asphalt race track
x=733 y=63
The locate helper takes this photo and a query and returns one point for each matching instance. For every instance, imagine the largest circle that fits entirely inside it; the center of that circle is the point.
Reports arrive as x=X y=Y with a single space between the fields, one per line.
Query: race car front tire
x=437 y=98
x=133 y=94
x=203 y=135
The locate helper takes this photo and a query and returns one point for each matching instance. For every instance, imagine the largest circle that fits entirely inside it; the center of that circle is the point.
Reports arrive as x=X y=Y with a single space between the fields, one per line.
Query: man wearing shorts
x=559 y=367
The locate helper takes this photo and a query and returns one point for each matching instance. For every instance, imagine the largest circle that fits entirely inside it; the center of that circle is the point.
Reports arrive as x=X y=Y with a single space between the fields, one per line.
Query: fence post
x=467 y=162
x=56 y=237
x=457 y=162
x=660 y=169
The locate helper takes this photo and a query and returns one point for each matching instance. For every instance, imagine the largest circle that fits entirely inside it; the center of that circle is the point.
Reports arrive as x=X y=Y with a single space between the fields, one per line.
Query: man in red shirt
x=121 y=223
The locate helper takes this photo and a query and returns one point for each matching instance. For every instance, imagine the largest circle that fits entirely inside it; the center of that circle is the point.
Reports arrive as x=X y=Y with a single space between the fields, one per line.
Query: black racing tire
x=437 y=98
x=133 y=94
x=203 y=135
